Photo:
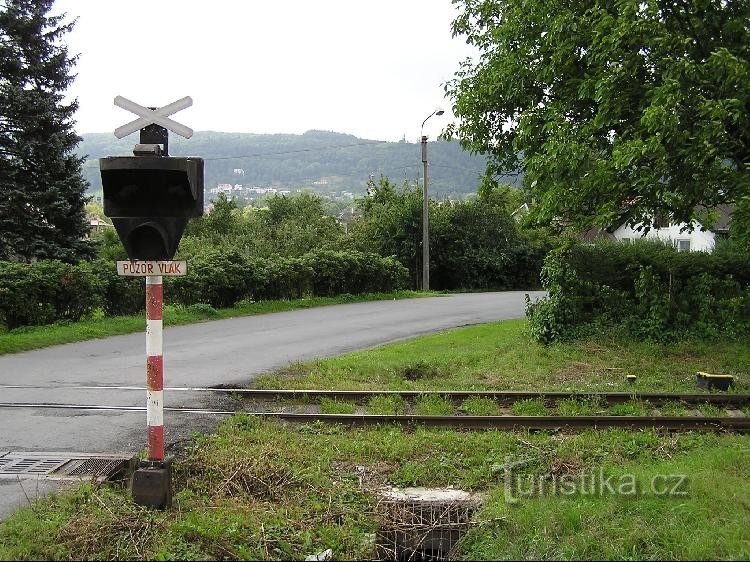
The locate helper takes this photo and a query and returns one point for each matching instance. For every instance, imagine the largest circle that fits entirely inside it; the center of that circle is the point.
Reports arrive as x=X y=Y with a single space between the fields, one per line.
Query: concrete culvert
x=423 y=524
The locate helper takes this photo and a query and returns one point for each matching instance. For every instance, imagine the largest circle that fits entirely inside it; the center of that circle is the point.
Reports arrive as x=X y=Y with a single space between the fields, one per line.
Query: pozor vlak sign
x=141 y=268
x=150 y=196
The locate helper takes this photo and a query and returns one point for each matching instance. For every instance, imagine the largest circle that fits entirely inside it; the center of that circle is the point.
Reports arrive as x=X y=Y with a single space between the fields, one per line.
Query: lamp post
x=426 y=210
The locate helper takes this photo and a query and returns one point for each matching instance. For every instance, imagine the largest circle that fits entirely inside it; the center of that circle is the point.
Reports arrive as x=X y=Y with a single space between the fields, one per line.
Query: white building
x=222 y=188
x=697 y=240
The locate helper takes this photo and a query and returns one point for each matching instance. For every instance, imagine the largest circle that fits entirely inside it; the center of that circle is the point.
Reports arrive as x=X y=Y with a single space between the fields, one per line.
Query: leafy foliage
x=41 y=188
x=391 y=224
x=50 y=291
x=46 y=291
x=222 y=278
x=647 y=290
x=610 y=106
x=474 y=243
x=289 y=226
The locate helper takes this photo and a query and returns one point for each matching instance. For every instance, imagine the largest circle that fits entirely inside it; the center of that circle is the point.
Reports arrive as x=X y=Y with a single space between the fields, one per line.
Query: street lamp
x=426 y=210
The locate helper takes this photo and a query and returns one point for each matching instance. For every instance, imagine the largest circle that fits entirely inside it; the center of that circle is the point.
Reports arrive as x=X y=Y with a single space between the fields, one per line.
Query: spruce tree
x=42 y=191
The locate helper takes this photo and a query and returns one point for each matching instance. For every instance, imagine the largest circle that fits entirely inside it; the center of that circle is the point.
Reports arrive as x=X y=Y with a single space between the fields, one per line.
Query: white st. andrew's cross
x=155 y=116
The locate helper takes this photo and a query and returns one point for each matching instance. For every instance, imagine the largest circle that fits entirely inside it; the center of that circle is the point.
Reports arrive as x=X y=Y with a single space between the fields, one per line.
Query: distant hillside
x=320 y=160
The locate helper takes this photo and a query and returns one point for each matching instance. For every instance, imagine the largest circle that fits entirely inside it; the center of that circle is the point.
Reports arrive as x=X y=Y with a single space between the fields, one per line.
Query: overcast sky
x=373 y=68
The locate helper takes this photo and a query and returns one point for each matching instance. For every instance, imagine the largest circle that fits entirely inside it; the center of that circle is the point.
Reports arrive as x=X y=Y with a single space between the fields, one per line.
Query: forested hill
x=324 y=161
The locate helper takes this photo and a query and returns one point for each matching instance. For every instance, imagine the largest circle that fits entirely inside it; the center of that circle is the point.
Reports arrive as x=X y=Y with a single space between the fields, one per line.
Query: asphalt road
x=220 y=352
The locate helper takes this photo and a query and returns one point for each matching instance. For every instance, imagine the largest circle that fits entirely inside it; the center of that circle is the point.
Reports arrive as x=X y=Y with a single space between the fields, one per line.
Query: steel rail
x=675 y=423
x=453 y=395
x=96 y=407
x=501 y=396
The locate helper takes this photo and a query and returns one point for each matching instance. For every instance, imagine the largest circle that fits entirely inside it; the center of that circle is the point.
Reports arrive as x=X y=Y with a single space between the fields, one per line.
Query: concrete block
x=151 y=484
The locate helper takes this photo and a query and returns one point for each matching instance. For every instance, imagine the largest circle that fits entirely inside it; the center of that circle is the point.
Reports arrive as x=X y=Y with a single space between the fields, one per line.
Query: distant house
x=697 y=240
x=225 y=188
x=97 y=225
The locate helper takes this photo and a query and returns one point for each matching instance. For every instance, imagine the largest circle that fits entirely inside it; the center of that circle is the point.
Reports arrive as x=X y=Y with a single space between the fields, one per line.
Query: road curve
x=234 y=350
x=231 y=351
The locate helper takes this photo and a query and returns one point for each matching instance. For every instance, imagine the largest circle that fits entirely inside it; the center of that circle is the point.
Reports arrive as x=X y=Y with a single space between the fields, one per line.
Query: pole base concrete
x=151 y=484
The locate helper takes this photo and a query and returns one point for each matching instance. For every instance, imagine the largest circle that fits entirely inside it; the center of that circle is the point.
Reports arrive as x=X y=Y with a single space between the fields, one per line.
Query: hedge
x=46 y=292
x=221 y=278
x=50 y=291
x=648 y=290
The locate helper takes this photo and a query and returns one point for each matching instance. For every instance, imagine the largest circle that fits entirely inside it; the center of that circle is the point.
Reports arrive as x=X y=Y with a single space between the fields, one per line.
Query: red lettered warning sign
x=145 y=268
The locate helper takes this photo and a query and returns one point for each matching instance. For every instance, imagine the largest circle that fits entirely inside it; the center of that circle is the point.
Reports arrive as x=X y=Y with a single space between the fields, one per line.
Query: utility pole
x=426 y=210
x=425 y=222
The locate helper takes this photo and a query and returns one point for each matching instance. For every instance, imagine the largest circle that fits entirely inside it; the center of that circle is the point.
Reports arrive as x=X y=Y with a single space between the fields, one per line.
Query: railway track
x=500 y=396
x=299 y=406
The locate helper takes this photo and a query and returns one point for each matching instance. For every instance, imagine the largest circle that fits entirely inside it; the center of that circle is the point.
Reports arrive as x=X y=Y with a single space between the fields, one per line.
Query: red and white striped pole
x=154 y=367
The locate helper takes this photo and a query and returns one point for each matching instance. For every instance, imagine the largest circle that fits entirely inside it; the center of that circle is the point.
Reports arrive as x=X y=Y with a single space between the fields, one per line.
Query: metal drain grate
x=32 y=466
x=96 y=467
x=67 y=466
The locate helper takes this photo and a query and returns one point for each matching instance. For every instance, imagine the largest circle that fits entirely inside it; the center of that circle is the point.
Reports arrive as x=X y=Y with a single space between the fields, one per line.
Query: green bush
x=214 y=277
x=474 y=243
x=120 y=295
x=47 y=291
x=648 y=290
x=223 y=277
x=336 y=273
x=282 y=278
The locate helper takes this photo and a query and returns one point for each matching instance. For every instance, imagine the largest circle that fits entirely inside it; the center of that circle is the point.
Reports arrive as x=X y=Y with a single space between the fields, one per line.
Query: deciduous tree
x=610 y=106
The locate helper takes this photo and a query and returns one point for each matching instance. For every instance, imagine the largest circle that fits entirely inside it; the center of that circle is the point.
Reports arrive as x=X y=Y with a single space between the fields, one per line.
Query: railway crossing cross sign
x=148 y=116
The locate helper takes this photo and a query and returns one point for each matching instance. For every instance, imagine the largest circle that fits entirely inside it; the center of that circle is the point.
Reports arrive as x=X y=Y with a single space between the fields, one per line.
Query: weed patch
x=433 y=406
x=386 y=405
x=632 y=408
x=529 y=408
x=579 y=407
x=480 y=407
x=329 y=406
x=420 y=370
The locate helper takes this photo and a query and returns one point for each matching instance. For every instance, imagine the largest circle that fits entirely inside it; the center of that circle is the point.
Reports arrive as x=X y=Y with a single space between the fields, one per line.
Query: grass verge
x=501 y=356
x=27 y=338
x=263 y=490
x=258 y=490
